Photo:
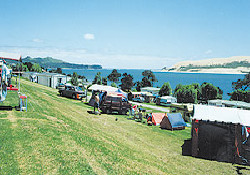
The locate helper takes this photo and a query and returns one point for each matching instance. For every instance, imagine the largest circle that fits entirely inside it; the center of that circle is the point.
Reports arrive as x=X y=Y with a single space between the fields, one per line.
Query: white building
x=31 y=76
x=51 y=79
x=46 y=79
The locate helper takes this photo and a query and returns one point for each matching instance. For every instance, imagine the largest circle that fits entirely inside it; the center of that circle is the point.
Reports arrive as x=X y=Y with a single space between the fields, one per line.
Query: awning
x=222 y=114
x=10 y=56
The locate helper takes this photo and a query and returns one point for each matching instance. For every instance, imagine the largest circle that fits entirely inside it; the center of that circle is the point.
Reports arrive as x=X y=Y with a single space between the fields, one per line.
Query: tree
x=240 y=95
x=165 y=90
x=145 y=82
x=25 y=68
x=220 y=93
x=74 y=79
x=148 y=78
x=198 y=88
x=82 y=77
x=126 y=82
x=20 y=67
x=138 y=85
x=186 y=93
x=114 y=76
x=241 y=90
x=104 y=81
x=242 y=84
x=113 y=85
x=210 y=92
x=58 y=70
x=97 y=79
x=29 y=65
x=36 y=68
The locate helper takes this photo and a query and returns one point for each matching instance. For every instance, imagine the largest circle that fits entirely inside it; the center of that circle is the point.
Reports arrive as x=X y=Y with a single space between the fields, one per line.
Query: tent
x=173 y=121
x=97 y=87
x=222 y=114
x=157 y=118
x=219 y=133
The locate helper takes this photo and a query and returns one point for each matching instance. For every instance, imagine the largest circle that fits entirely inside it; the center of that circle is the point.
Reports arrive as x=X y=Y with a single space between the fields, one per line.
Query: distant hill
x=236 y=64
x=49 y=62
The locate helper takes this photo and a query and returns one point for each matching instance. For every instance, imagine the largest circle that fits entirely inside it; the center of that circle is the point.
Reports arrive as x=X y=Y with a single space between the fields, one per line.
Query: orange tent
x=157 y=118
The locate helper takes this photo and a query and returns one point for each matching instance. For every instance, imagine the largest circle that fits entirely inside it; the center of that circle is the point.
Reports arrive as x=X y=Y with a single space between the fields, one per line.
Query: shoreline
x=201 y=72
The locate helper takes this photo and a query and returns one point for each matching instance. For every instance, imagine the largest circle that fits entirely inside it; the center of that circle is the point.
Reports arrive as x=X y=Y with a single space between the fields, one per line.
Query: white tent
x=222 y=114
x=97 y=87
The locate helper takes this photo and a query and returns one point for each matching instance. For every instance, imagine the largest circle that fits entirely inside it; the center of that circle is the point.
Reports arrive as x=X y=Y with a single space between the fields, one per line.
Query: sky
x=126 y=34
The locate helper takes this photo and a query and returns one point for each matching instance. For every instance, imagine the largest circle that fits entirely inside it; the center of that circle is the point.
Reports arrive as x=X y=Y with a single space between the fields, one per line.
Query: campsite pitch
x=58 y=136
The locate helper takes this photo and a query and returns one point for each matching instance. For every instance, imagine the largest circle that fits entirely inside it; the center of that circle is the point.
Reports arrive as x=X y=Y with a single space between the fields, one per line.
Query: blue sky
x=149 y=34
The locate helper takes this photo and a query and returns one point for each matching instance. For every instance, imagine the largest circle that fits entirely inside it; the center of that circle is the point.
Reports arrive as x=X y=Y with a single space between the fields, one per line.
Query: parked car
x=60 y=86
x=110 y=104
x=72 y=92
x=138 y=99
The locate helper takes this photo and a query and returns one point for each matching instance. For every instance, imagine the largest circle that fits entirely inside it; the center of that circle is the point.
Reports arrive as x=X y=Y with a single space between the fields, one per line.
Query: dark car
x=110 y=104
x=72 y=92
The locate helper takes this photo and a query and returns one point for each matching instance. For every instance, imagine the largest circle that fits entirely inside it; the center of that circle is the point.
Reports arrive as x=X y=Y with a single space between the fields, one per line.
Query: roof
x=231 y=103
x=51 y=74
x=150 y=89
x=222 y=114
x=10 y=56
x=167 y=97
x=146 y=93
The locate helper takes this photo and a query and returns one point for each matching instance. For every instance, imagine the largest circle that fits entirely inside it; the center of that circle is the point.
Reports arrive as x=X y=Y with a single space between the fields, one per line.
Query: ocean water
x=224 y=81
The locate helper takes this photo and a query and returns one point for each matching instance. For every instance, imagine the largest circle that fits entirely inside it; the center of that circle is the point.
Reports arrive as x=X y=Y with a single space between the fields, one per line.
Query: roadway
x=158 y=108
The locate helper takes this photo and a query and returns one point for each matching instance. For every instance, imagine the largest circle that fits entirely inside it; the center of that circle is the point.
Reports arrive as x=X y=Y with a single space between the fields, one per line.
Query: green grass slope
x=58 y=136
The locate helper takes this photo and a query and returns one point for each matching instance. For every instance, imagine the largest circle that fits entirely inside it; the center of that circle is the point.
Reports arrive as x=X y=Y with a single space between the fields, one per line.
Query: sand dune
x=208 y=62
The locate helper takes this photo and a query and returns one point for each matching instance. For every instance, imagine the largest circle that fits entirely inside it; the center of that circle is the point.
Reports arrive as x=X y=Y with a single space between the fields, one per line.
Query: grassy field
x=58 y=136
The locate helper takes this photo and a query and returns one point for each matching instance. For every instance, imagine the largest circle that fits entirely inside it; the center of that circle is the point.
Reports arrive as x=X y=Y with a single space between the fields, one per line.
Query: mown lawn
x=58 y=136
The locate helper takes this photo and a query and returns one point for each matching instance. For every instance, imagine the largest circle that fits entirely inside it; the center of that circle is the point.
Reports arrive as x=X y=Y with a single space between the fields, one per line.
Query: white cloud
x=89 y=36
x=36 y=40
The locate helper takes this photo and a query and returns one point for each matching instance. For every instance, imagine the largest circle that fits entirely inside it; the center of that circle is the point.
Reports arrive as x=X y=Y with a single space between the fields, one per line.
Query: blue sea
x=224 y=81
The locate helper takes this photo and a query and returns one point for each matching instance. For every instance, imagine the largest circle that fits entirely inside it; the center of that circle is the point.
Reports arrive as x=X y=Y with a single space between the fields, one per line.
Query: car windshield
x=78 y=89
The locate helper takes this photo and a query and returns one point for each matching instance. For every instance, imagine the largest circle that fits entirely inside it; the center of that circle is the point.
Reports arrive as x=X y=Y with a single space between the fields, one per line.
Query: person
x=96 y=105
x=134 y=109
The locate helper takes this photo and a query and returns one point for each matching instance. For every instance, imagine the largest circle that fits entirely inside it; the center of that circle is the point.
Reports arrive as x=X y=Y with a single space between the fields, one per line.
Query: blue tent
x=173 y=121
